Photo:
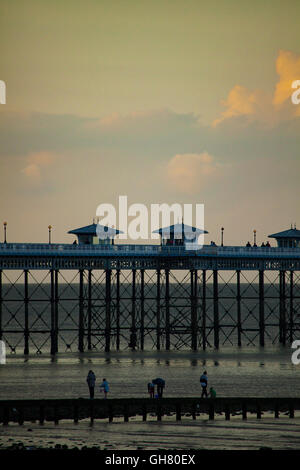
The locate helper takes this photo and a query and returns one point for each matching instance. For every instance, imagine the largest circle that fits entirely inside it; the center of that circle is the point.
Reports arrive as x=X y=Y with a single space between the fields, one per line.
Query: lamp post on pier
x=254 y=237
x=49 y=228
x=4 y=226
x=222 y=235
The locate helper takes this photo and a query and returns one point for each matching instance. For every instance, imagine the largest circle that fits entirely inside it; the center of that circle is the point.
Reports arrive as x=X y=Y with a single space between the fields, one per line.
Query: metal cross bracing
x=117 y=309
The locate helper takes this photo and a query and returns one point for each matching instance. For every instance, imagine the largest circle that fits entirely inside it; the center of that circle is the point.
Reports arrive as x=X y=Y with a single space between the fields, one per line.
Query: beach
x=246 y=373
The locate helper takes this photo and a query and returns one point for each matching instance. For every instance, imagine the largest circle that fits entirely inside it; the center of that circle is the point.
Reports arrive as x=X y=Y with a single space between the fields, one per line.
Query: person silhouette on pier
x=203 y=383
x=91 y=380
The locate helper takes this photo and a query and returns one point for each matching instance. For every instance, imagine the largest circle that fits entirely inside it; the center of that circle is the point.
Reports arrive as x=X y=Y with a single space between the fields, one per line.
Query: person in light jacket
x=91 y=381
x=105 y=387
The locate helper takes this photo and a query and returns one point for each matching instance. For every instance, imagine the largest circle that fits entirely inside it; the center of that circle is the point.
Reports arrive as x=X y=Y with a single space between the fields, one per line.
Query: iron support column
x=142 y=328
x=203 y=310
x=1 y=300
x=107 y=309
x=238 y=304
x=89 y=312
x=167 y=298
x=216 y=309
x=194 y=326
x=26 y=305
x=52 y=301
x=133 y=339
x=81 y=312
x=282 y=309
x=56 y=300
x=261 y=309
x=158 y=310
x=291 y=306
x=118 y=308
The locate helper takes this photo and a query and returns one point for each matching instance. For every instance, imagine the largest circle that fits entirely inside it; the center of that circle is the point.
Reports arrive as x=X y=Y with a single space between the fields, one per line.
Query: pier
x=147 y=296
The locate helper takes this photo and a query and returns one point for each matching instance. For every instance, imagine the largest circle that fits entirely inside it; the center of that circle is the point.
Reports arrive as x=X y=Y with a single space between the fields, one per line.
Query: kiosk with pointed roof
x=179 y=234
x=288 y=238
x=95 y=234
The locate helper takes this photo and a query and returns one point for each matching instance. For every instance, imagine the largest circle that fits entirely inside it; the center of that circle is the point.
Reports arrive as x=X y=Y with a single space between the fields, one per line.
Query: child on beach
x=151 y=389
x=104 y=387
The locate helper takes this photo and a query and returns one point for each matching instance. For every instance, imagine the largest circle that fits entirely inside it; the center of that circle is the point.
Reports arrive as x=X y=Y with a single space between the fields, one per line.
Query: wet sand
x=262 y=373
x=253 y=434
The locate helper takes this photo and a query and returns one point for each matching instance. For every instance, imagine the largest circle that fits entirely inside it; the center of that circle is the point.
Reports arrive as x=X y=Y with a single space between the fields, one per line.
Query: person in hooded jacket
x=91 y=381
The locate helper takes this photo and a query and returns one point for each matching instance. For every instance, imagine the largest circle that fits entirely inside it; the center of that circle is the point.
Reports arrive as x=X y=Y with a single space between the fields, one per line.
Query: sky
x=162 y=101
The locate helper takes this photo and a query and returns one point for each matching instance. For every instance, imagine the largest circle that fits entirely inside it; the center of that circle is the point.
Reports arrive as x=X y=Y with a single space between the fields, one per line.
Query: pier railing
x=131 y=249
x=55 y=410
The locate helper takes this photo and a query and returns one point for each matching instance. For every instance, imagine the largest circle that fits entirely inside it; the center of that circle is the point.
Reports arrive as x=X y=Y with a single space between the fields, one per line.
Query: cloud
x=36 y=162
x=288 y=69
x=190 y=172
x=258 y=105
x=243 y=102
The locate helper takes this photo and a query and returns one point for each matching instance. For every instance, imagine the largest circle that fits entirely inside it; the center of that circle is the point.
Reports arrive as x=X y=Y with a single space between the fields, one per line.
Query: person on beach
x=151 y=389
x=160 y=386
x=212 y=392
x=91 y=380
x=104 y=387
x=203 y=383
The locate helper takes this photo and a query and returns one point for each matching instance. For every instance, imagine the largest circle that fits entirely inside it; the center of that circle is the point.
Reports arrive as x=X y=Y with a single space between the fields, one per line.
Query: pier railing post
x=167 y=298
x=178 y=412
x=261 y=309
x=42 y=415
x=107 y=309
x=244 y=410
x=216 y=309
x=211 y=411
x=81 y=312
x=238 y=302
x=26 y=305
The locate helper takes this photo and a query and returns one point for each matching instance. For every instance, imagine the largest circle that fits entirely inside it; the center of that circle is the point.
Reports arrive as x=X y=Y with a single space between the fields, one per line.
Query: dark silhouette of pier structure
x=165 y=297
